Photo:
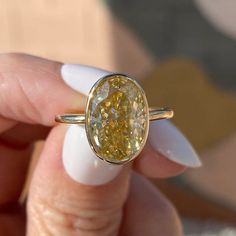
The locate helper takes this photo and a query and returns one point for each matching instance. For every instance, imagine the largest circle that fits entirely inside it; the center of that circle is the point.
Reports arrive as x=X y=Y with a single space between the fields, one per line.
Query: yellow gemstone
x=117 y=118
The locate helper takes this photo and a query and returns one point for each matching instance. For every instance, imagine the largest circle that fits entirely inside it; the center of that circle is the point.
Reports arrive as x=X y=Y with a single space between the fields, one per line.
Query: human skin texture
x=32 y=92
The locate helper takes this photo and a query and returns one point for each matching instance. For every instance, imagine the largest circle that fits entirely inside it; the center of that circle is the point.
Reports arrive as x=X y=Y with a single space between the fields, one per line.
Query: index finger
x=32 y=90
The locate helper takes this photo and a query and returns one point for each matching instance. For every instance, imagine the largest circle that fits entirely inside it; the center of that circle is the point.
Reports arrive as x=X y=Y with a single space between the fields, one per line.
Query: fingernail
x=81 y=78
x=79 y=161
x=165 y=138
x=81 y=164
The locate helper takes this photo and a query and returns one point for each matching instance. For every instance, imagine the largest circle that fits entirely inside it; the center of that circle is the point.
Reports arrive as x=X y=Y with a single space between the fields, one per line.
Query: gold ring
x=116 y=118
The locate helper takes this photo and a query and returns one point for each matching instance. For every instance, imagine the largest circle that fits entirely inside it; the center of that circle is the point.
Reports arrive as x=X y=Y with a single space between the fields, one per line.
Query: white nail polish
x=169 y=141
x=79 y=160
x=81 y=164
x=80 y=77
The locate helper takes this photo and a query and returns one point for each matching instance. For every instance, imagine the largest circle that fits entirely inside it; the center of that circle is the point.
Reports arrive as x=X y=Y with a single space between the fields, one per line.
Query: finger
x=148 y=212
x=167 y=152
x=39 y=92
x=15 y=152
x=13 y=137
x=13 y=170
x=153 y=164
x=6 y=124
x=59 y=205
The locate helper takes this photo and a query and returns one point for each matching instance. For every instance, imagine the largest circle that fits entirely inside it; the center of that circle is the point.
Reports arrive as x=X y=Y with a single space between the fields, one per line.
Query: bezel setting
x=88 y=117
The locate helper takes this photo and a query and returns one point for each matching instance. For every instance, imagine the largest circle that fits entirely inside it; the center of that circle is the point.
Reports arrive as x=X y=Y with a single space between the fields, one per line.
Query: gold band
x=154 y=114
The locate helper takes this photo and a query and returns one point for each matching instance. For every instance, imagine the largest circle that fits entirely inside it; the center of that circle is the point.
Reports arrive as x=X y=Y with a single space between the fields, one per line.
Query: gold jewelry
x=117 y=118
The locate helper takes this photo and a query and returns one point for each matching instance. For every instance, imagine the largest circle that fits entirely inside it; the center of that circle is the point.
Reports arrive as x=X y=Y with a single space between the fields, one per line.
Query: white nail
x=79 y=161
x=81 y=78
x=169 y=141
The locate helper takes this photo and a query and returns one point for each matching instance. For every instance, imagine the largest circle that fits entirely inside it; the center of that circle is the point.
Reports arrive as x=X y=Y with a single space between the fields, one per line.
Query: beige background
x=81 y=32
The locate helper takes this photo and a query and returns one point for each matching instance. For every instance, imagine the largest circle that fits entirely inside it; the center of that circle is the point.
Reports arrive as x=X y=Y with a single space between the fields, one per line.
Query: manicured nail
x=81 y=78
x=79 y=161
x=170 y=142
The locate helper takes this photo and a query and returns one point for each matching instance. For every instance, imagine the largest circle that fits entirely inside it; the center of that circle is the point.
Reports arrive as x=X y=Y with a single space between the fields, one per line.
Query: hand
x=68 y=195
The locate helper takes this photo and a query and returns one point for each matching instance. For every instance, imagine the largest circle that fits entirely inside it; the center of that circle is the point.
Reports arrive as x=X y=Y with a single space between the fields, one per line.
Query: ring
x=116 y=118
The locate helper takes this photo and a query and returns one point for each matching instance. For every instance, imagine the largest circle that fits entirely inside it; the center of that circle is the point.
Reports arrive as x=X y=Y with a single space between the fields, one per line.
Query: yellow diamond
x=117 y=118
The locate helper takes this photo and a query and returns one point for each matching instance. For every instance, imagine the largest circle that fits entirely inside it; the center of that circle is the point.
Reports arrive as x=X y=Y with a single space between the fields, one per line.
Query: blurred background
x=184 y=54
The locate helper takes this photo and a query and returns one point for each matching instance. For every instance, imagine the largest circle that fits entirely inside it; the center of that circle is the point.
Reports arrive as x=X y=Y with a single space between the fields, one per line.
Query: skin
x=57 y=205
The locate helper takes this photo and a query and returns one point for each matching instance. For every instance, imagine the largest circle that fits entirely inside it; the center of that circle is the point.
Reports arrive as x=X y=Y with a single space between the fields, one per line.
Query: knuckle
x=51 y=219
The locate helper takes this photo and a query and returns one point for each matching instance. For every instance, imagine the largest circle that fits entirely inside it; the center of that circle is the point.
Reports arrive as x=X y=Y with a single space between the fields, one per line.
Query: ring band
x=154 y=114
x=116 y=118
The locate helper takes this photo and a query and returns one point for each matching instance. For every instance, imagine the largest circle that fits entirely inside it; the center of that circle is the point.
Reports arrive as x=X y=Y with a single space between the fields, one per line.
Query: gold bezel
x=91 y=93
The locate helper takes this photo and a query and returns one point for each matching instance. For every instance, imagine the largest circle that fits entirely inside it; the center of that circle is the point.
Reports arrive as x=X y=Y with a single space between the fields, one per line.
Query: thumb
x=72 y=191
x=58 y=205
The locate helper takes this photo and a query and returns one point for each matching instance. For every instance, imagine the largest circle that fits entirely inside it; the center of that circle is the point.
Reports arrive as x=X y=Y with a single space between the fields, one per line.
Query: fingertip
x=168 y=140
x=152 y=164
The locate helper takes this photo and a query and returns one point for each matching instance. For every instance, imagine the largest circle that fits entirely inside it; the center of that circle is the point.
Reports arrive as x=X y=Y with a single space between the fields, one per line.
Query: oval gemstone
x=117 y=118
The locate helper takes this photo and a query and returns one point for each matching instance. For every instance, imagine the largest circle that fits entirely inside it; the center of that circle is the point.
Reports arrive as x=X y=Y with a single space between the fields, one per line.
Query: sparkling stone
x=117 y=119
